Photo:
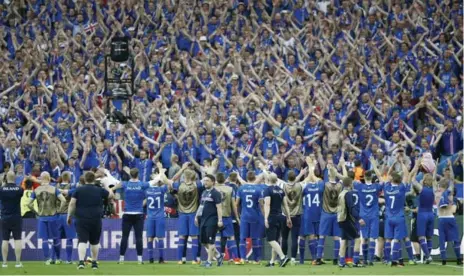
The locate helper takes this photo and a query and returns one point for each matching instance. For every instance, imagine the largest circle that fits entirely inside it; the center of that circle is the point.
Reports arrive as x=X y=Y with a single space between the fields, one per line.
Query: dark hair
x=233 y=177
x=28 y=184
x=291 y=176
x=396 y=178
x=251 y=176
x=211 y=177
x=134 y=173
x=357 y=163
x=220 y=178
x=351 y=174
x=368 y=175
x=347 y=181
x=89 y=178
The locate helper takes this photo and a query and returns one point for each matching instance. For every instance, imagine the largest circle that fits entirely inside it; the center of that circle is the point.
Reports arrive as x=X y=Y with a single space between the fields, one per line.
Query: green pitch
x=132 y=268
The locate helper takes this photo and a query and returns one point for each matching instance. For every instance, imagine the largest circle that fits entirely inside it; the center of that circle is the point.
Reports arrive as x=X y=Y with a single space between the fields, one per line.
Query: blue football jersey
x=368 y=195
x=395 y=197
x=134 y=196
x=426 y=199
x=155 y=201
x=312 y=200
x=250 y=195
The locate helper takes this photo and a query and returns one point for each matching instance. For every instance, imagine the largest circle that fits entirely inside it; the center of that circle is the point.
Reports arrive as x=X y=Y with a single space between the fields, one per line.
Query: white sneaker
x=19 y=265
x=4 y=265
x=293 y=262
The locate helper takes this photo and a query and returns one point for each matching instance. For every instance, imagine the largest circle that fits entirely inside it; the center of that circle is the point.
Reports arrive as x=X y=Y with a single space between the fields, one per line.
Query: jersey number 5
x=249 y=201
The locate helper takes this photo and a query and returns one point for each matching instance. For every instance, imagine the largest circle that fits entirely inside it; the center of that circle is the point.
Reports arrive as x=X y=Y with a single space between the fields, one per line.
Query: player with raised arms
x=134 y=191
x=328 y=225
x=47 y=215
x=188 y=194
x=395 y=224
x=425 y=217
x=248 y=201
x=447 y=226
x=313 y=189
x=368 y=193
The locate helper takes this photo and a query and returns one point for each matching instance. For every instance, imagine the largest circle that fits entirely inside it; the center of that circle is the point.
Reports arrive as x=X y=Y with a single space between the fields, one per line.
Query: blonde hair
x=189 y=175
x=45 y=176
x=273 y=178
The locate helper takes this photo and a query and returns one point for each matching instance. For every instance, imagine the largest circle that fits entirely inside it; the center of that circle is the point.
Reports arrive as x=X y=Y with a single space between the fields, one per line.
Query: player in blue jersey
x=274 y=199
x=447 y=226
x=425 y=215
x=313 y=189
x=233 y=183
x=395 y=224
x=133 y=217
x=368 y=194
x=66 y=231
x=156 y=221
x=248 y=201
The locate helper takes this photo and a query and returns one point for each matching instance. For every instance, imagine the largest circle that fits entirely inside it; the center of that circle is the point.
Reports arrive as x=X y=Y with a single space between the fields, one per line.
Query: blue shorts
x=371 y=229
x=155 y=227
x=48 y=229
x=228 y=230
x=254 y=230
x=186 y=225
x=425 y=224
x=66 y=231
x=395 y=228
x=448 y=230
x=329 y=225
x=308 y=227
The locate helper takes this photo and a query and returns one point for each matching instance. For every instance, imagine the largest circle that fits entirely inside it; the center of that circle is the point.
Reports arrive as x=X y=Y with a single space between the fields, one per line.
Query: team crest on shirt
x=188 y=194
x=223 y=196
x=291 y=195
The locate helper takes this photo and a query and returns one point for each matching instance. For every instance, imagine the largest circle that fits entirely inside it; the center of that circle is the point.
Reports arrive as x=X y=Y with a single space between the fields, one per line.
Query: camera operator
x=87 y=207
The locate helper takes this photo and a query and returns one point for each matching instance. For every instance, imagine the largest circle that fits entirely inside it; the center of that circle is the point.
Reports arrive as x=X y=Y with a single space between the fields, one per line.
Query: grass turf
x=132 y=268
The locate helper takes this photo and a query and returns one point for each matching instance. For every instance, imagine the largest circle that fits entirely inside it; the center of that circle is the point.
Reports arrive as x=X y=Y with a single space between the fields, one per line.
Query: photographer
x=87 y=207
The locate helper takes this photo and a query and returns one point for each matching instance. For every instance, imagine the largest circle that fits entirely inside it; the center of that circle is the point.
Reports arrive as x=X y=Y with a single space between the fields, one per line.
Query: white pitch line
x=454 y=266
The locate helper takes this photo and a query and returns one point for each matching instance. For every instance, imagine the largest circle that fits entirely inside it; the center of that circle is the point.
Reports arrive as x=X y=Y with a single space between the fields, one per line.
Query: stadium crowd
x=227 y=86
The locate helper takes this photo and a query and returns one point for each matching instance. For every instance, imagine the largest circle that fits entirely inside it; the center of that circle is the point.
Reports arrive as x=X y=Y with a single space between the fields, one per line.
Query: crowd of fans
x=228 y=84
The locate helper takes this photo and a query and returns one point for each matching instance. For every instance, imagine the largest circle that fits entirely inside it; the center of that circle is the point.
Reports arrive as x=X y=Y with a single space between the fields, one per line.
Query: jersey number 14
x=315 y=200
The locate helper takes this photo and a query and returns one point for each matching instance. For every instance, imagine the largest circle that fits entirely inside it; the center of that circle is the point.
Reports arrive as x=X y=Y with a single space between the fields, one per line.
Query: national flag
x=90 y=28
